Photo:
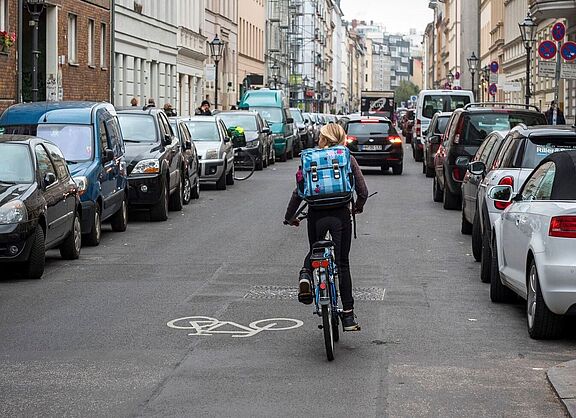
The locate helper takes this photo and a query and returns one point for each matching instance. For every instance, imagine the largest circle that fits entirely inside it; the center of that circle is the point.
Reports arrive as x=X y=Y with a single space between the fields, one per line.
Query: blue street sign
x=558 y=31
x=547 y=49
x=568 y=51
x=493 y=89
x=494 y=67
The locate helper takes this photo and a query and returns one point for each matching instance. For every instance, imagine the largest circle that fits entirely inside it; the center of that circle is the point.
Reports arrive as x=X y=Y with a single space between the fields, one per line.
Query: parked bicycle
x=244 y=162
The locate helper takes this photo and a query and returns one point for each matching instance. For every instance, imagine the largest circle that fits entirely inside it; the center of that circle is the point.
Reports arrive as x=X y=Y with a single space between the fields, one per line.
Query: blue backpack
x=326 y=179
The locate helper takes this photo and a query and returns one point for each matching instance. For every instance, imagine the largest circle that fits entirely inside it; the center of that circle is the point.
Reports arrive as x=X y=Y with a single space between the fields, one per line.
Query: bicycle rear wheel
x=328 y=329
x=335 y=324
x=244 y=165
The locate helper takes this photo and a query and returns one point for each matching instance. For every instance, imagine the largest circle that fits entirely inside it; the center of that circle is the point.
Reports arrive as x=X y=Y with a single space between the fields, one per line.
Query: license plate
x=372 y=148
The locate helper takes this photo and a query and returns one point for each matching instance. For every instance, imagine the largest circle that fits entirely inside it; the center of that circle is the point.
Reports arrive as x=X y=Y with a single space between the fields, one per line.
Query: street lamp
x=35 y=8
x=450 y=79
x=216 y=51
x=473 y=66
x=528 y=32
x=275 y=68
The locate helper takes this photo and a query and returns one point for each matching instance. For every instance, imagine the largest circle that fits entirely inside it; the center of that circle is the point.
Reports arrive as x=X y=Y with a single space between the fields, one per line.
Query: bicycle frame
x=325 y=280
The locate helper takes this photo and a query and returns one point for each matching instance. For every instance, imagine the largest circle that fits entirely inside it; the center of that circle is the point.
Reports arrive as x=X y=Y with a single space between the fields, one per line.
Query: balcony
x=553 y=9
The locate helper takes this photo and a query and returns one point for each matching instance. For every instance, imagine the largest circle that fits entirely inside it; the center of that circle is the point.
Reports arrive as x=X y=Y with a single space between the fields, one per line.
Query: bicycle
x=244 y=164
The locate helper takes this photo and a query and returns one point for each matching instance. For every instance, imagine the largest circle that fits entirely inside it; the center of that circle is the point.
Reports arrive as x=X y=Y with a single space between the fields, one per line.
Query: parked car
x=522 y=150
x=534 y=245
x=215 y=151
x=407 y=124
x=486 y=155
x=306 y=140
x=373 y=141
x=467 y=129
x=313 y=126
x=273 y=107
x=190 y=166
x=154 y=160
x=90 y=138
x=39 y=204
x=258 y=140
x=432 y=140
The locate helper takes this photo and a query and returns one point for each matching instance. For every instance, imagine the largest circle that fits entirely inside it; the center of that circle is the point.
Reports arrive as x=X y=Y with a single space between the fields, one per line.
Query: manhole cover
x=280 y=292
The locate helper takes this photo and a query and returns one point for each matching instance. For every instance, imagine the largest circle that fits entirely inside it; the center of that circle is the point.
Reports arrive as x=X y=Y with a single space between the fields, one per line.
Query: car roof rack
x=502 y=104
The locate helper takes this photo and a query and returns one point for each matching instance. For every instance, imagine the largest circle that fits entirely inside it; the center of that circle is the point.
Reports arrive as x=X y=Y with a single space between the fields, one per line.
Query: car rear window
x=538 y=149
x=368 y=128
x=478 y=125
x=441 y=126
x=434 y=103
x=203 y=131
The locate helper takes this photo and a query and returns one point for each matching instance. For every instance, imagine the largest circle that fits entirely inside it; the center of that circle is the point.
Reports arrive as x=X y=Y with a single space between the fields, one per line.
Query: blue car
x=89 y=136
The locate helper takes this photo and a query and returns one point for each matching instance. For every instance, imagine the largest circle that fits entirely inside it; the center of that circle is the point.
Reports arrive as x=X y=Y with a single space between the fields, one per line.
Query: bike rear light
x=323 y=285
x=504 y=181
x=395 y=139
x=319 y=263
x=563 y=227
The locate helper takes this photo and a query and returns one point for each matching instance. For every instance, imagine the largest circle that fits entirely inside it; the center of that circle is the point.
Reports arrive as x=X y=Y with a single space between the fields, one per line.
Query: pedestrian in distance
x=151 y=103
x=560 y=120
x=134 y=102
x=169 y=110
x=204 y=109
x=338 y=221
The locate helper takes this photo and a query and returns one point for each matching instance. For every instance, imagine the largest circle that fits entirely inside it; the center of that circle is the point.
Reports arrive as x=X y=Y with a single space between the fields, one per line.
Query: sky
x=398 y=16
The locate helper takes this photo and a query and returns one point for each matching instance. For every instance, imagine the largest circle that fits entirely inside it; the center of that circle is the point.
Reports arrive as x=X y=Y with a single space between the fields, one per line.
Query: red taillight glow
x=319 y=263
x=350 y=139
x=418 y=127
x=395 y=139
x=323 y=285
x=457 y=174
x=563 y=227
x=369 y=121
x=459 y=129
x=504 y=181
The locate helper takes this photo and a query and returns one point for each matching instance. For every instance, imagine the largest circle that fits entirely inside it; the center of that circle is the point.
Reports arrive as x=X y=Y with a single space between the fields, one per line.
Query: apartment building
x=251 y=44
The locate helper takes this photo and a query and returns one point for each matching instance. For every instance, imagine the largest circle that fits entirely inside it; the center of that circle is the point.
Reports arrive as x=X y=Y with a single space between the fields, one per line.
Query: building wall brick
x=8 y=63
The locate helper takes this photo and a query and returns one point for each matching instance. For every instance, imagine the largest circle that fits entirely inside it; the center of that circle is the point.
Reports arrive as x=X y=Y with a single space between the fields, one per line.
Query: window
x=72 y=56
x=59 y=162
x=44 y=164
x=3 y=15
x=90 y=42
x=103 y=136
x=535 y=180
x=75 y=141
x=103 y=59
x=544 y=191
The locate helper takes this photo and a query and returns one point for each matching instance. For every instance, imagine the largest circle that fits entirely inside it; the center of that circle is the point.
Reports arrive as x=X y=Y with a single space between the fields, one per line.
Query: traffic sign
x=547 y=49
x=568 y=51
x=547 y=69
x=413 y=99
x=568 y=71
x=493 y=89
x=494 y=67
x=558 y=31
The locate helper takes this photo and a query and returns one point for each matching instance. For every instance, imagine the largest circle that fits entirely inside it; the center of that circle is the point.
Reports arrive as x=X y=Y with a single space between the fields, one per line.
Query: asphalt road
x=91 y=338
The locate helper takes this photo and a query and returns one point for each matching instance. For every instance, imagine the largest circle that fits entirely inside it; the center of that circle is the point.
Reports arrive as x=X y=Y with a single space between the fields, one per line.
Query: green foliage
x=405 y=90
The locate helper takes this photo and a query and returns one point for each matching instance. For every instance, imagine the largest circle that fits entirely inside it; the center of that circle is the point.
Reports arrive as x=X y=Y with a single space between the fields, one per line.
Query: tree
x=405 y=90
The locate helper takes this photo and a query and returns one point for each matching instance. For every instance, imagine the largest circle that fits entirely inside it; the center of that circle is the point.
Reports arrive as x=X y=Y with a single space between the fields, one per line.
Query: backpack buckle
x=314 y=171
x=336 y=169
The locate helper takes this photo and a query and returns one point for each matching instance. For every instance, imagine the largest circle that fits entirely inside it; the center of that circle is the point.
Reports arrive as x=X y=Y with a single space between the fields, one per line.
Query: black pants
x=339 y=223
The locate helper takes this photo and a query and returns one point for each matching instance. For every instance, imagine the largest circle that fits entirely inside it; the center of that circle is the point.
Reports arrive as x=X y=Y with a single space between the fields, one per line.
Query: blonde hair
x=331 y=135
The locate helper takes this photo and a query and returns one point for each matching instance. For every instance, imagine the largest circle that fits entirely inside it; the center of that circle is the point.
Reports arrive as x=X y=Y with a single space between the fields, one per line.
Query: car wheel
x=450 y=201
x=284 y=156
x=498 y=292
x=176 y=198
x=290 y=155
x=230 y=176
x=159 y=212
x=221 y=183
x=92 y=238
x=195 y=193
x=37 y=259
x=542 y=322
x=119 y=220
x=260 y=163
x=265 y=160
x=466 y=227
x=397 y=169
x=476 y=238
x=423 y=167
x=429 y=171
x=187 y=192
x=436 y=191
x=70 y=248
x=485 y=259
x=272 y=156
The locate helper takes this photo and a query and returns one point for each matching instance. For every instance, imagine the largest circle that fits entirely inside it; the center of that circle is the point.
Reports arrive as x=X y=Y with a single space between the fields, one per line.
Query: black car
x=467 y=129
x=154 y=161
x=432 y=139
x=258 y=135
x=39 y=204
x=374 y=142
x=190 y=165
x=306 y=139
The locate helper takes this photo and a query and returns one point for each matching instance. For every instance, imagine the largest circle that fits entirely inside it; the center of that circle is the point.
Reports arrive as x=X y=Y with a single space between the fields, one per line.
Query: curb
x=563 y=379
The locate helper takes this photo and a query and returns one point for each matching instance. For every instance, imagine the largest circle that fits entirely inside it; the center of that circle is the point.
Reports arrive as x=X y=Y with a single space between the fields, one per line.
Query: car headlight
x=212 y=154
x=147 y=167
x=253 y=144
x=13 y=212
x=82 y=183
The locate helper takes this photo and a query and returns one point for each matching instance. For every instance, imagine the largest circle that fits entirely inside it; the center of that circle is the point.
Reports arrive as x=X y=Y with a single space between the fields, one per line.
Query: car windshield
x=538 y=149
x=479 y=125
x=75 y=141
x=248 y=122
x=442 y=103
x=137 y=128
x=271 y=114
x=371 y=128
x=15 y=164
x=203 y=131
x=296 y=115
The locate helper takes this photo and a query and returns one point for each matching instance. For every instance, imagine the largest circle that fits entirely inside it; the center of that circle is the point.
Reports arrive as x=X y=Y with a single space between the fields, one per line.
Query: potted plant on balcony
x=7 y=40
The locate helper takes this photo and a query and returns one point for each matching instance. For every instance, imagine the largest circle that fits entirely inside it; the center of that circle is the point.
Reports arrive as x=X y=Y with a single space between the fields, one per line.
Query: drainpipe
x=112 y=49
x=19 y=55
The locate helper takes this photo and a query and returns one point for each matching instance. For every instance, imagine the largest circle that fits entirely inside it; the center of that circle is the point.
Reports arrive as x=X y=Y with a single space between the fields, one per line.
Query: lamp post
x=275 y=68
x=450 y=79
x=35 y=8
x=528 y=32
x=473 y=66
x=216 y=50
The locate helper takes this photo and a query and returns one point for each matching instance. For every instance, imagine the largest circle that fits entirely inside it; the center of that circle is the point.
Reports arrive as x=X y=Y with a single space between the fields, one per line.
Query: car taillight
x=563 y=227
x=350 y=139
x=457 y=174
x=395 y=139
x=504 y=181
x=459 y=129
x=418 y=127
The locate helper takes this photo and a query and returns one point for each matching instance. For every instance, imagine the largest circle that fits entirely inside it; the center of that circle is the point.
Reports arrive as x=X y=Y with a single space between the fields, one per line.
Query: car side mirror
x=266 y=130
x=478 y=168
x=49 y=178
x=187 y=145
x=501 y=193
x=167 y=139
x=462 y=161
x=435 y=139
x=108 y=156
x=425 y=133
x=290 y=120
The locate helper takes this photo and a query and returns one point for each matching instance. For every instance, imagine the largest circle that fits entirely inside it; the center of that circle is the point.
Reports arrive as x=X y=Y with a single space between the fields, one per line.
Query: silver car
x=215 y=151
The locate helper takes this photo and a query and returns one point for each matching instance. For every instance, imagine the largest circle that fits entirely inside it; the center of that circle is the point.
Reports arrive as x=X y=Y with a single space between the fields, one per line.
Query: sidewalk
x=563 y=379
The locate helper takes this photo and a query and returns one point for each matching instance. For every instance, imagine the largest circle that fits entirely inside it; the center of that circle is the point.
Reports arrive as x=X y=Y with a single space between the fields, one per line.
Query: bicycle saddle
x=323 y=244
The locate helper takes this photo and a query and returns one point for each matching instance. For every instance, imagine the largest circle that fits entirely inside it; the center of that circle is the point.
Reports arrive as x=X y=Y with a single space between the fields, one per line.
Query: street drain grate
x=287 y=293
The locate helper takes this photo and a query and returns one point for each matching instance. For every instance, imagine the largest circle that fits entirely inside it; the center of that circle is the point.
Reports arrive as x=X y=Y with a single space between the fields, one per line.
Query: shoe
x=305 y=288
x=349 y=322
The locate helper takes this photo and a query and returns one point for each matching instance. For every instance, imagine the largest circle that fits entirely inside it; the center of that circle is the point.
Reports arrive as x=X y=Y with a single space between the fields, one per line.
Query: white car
x=535 y=244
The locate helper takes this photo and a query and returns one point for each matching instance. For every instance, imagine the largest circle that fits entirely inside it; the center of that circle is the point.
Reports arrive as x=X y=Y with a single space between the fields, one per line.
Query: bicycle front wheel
x=244 y=165
x=328 y=331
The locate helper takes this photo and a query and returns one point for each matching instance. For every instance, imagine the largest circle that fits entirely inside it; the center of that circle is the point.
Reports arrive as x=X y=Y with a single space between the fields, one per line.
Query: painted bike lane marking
x=205 y=325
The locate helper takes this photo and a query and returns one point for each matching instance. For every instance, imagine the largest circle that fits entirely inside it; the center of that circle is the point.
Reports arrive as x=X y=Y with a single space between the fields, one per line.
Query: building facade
x=251 y=44
x=8 y=61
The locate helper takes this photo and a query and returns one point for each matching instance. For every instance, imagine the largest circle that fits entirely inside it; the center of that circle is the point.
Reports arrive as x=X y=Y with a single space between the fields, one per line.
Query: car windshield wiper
x=72 y=162
x=131 y=140
x=8 y=183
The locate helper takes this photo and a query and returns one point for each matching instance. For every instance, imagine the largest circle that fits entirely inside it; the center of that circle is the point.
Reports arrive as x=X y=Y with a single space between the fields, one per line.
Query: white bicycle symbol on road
x=204 y=325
